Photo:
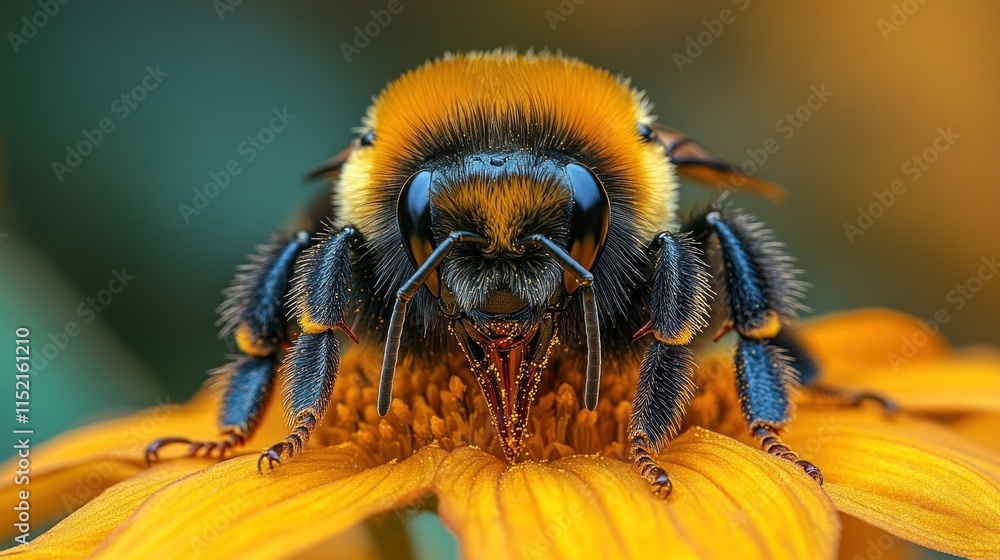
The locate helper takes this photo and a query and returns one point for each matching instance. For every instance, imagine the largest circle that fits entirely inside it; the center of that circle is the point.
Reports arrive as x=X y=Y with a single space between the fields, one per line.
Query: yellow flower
x=929 y=475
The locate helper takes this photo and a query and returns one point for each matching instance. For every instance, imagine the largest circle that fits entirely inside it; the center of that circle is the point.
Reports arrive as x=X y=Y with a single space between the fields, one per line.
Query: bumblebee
x=514 y=206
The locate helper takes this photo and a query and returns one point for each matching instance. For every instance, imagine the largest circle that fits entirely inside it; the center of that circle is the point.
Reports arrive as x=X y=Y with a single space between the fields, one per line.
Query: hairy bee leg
x=254 y=313
x=760 y=294
x=679 y=305
x=665 y=387
x=248 y=384
x=771 y=443
x=314 y=362
x=762 y=379
x=808 y=377
x=319 y=297
x=761 y=297
x=801 y=359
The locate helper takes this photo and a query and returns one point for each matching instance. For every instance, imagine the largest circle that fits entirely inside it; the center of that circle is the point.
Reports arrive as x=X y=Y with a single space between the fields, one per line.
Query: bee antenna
x=585 y=280
x=403 y=297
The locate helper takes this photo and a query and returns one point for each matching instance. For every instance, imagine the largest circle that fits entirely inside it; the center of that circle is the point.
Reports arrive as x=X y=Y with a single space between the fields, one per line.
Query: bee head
x=502 y=286
x=519 y=190
x=532 y=225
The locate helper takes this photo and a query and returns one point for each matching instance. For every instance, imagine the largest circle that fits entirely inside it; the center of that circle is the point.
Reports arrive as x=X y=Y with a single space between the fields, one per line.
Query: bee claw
x=209 y=447
x=204 y=448
x=811 y=470
x=273 y=456
x=889 y=406
x=662 y=487
x=855 y=399
x=152 y=453
x=646 y=467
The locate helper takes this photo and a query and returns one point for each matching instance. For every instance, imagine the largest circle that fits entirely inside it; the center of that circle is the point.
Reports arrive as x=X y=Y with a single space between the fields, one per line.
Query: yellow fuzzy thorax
x=575 y=106
x=502 y=209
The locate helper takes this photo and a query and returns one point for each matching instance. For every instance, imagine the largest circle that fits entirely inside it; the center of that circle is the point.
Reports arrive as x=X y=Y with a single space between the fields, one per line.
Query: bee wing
x=332 y=165
x=694 y=161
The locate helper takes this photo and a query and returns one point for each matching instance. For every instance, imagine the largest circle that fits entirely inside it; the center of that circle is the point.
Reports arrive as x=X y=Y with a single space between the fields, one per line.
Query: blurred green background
x=897 y=78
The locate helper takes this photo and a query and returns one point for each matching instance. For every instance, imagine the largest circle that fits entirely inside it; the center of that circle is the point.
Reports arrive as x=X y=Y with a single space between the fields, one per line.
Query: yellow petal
x=844 y=342
x=128 y=436
x=57 y=492
x=861 y=540
x=948 y=385
x=231 y=511
x=729 y=501
x=906 y=477
x=71 y=469
x=80 y=533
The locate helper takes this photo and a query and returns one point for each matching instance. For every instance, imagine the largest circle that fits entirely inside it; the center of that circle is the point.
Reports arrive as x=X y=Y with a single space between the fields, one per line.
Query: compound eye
x=413 y=214
x=590 y=220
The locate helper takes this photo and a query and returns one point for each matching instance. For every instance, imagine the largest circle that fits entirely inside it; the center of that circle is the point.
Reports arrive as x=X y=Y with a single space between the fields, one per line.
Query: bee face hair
x=503 y=196
x=463 y=106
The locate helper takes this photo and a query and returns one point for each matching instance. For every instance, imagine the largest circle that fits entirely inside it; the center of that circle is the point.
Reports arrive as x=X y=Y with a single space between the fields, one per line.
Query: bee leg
x=761 y=296
x=808 y=378
x=771 y=443
x=252 y=312
x=849 y=398
x=665 y=387
x=763 y=376
x=679 y=305
x=319 y=297
x=248 y=383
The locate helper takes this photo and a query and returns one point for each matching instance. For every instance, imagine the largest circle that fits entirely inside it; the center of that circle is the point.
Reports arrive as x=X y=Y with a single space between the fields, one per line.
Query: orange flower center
x=443 y=404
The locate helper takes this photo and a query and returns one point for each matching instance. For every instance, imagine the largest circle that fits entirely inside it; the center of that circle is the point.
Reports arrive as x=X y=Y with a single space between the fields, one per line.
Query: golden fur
x=503 y=96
